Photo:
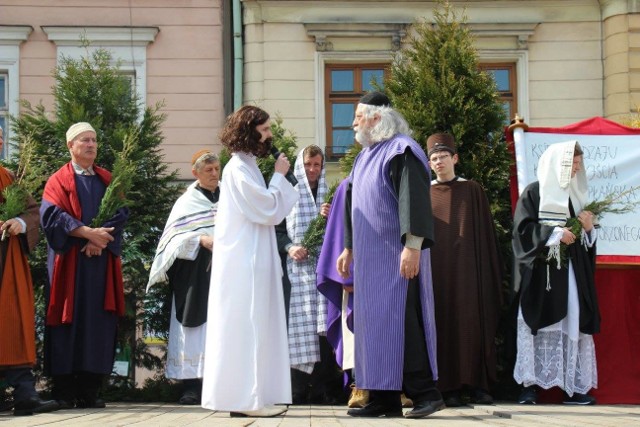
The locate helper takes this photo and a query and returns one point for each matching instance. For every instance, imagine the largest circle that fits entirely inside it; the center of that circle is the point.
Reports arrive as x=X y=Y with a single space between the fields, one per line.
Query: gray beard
x=363 y=139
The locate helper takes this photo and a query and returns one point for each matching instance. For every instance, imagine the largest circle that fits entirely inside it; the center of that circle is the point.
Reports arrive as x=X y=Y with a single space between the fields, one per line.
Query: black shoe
x=34 y=405
x=66 y=404
x=189 y=397
x=323 y=398
x=6 y=405
x=425 y=408
x=452 y=399
x=579 y=399
x=375 y=409
x=481 y=397
x=90 y=403
x=528 y=396
x=299 y=399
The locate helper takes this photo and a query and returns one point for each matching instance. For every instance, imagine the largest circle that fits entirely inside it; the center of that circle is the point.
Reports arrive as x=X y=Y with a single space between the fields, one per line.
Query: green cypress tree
x=436 y=83
x=92 y=89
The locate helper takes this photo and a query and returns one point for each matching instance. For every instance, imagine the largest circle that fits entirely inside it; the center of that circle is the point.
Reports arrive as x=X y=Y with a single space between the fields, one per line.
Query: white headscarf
x=557 y=186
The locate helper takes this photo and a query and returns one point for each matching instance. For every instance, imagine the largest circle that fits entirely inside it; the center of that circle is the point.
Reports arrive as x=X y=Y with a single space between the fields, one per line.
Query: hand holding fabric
x=206 y=242
x=344 y=262
x=11 y=226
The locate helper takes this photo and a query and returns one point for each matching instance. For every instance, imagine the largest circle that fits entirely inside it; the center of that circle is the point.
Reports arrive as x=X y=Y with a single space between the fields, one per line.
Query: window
x=11 y=36
x=504 y=75
x=127 y=44
x=344 y=85
x=131 y=76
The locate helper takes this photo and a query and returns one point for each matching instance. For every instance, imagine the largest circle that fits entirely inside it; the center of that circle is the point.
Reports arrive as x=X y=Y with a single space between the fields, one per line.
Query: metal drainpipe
x=238 y=57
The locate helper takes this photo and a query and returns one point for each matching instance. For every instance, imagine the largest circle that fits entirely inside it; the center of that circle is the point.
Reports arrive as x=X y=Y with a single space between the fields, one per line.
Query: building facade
x=555 y=62
x=171 y=49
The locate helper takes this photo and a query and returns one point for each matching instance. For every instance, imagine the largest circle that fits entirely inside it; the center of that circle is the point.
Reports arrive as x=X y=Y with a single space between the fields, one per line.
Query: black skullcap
x=377 y=99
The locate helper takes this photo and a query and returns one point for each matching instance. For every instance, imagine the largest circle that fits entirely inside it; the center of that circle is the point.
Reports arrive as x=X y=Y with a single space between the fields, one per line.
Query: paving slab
x=502 y=414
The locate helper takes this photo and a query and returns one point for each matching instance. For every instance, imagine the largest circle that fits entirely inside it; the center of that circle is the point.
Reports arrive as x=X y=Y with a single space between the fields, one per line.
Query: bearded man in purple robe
x=388 y=230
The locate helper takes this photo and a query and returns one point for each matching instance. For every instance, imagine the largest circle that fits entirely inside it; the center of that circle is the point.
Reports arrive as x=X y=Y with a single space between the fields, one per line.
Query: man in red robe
x=17 y=317
x=85 y=294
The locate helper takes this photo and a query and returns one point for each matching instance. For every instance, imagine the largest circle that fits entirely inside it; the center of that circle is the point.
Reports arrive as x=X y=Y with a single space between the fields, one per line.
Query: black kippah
x=378 y=99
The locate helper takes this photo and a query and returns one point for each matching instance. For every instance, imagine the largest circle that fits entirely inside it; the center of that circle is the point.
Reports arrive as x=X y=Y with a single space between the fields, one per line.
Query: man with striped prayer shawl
x=388 y=230
x=183 y=259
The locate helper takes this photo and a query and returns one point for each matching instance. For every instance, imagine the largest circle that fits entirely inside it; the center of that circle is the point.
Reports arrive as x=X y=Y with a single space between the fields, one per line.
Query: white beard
x=364 y=138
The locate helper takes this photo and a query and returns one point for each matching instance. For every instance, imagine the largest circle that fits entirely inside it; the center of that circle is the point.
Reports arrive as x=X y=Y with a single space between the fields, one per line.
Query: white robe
x=185 y=351
x=246 y=355
x=559 y=355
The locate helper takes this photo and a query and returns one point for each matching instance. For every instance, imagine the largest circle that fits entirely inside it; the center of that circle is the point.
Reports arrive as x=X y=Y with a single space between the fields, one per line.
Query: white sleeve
x=555 y=237
x=261 y=205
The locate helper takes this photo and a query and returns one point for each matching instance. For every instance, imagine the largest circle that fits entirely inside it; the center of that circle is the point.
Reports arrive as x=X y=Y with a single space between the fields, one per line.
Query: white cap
x=77 y=129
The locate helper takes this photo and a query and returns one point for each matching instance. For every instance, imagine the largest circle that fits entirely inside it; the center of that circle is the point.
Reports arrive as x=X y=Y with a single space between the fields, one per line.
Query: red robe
x=17 y=317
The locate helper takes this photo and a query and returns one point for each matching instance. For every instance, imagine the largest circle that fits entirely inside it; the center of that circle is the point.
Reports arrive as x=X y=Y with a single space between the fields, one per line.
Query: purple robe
x=330 y=283
x=380 y=292
x=88 y=343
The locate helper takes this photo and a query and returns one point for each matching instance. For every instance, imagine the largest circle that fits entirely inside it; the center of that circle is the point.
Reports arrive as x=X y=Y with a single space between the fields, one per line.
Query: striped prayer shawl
x=192 y=214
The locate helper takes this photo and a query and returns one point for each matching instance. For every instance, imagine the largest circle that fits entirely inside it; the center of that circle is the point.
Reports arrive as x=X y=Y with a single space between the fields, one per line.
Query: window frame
x=511 y=96
x=11 y=37
x=127 y=44
x=344 y=97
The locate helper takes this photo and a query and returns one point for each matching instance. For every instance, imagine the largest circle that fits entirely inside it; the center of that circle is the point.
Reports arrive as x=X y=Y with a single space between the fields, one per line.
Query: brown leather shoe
x=359 y=397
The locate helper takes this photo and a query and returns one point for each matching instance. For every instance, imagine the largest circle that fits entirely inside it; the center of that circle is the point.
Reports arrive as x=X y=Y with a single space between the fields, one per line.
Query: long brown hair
x=239 y=133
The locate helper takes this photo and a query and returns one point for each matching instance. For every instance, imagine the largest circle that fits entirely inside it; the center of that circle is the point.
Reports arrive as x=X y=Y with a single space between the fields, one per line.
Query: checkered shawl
x=192 y=214
x=307 y=307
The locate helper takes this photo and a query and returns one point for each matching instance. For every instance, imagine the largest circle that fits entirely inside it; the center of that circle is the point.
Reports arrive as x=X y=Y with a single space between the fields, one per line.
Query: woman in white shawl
x=554 y=275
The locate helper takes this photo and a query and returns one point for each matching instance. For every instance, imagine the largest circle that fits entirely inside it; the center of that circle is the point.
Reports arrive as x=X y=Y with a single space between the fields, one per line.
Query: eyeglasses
x=440 y=158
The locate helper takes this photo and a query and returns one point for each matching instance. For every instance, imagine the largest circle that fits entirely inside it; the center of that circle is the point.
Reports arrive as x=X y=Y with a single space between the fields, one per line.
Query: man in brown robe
x=17 y=316
x=467 y=279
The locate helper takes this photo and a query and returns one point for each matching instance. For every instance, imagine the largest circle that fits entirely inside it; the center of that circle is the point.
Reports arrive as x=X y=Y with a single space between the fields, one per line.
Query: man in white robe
x=246 y=358
x=183 y=259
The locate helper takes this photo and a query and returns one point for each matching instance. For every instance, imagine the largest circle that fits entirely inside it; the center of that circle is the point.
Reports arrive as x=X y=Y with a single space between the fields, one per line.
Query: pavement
x=499 y=414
